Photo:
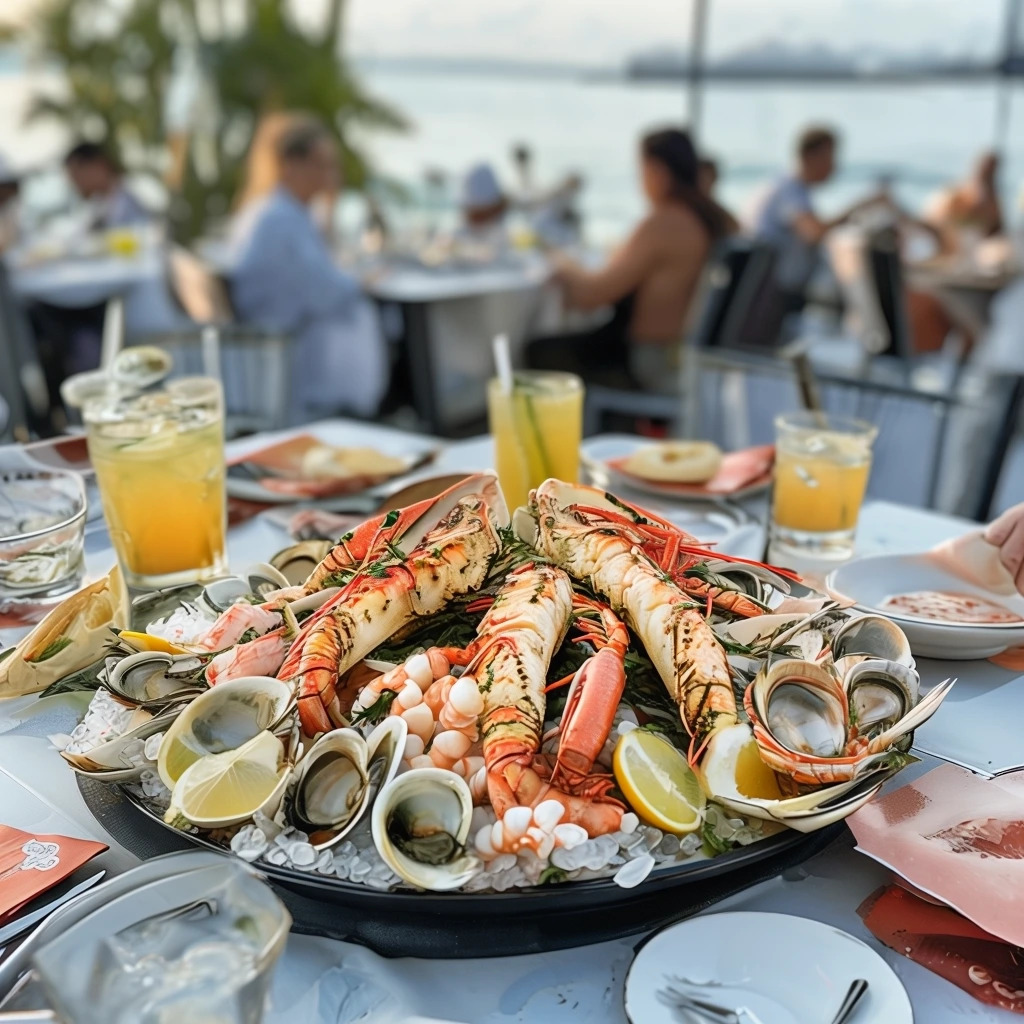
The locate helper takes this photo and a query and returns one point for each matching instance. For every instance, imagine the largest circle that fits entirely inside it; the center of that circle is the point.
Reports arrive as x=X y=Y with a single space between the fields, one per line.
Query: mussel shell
x=264 y=578
x=803 y=706
x=872 y=635
x=880 y=693
x=153 y=679
x=421 y=822
x=296 y=563
x=221 y=594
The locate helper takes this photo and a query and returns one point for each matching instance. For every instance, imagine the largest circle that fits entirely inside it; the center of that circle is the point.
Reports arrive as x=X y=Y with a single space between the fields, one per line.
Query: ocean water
x=916 y=136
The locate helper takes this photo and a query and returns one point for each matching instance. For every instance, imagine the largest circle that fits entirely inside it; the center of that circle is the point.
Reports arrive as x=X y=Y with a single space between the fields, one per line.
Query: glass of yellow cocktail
x=159 y=461
x=822 y=463
x=537 y=426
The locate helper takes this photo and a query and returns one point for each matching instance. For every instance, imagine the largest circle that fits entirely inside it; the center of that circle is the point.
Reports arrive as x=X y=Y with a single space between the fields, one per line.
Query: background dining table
x=331 y=982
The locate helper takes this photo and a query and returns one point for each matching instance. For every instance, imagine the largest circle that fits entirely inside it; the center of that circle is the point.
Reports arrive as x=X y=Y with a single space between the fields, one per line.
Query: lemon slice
x=224 y=789
x=658 y=783
x=147 y=642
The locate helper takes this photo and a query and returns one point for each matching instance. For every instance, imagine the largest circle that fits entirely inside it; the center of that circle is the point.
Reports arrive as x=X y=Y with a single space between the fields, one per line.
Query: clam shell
x=225 y=717
x=422 y=803
x=803 y=706
x=106 y=763
x=152 y=679
x=880 y=693
x=296 y=563
x=873 y=635
x=328 y=801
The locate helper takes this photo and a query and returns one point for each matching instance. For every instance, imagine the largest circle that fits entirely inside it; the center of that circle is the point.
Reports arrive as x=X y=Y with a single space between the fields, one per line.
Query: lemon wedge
x=147 y=642
x=225 y=789
x=658 y=783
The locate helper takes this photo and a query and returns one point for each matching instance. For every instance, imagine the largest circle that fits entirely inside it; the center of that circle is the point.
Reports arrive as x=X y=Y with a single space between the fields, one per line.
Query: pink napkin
x=957 y=837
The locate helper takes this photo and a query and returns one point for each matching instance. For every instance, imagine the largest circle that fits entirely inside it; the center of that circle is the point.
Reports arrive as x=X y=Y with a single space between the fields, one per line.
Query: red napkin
x=947 y=943
x=29 y=865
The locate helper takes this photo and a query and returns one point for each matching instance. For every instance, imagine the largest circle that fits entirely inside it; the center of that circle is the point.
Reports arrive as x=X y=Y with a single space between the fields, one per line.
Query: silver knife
x=26 y=921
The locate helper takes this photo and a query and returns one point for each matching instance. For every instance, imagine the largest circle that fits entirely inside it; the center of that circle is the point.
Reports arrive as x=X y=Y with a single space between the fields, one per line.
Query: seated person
x=970 y=210
x=484 y=206
x=650 y=280
x=786 y=219
x=99 y=179
x=707 y=180
x=10 y=189
x=285 y=279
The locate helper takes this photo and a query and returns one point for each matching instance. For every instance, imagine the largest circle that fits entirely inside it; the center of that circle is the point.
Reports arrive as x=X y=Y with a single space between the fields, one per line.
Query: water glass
x=822 y=463
x=537 y=428
x=159 y=461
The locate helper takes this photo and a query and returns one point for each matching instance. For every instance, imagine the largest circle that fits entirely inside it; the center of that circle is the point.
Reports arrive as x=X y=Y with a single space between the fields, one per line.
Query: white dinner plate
x=595 y=452
x=869 y=581
x=786 y=970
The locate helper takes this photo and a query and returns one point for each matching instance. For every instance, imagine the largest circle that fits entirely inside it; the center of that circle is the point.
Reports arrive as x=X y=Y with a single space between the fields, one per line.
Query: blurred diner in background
x=360 y=251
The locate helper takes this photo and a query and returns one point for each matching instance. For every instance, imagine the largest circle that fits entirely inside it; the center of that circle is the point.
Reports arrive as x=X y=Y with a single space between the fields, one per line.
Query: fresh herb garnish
x=52 y=649
x=378 y=710
x=552 y=875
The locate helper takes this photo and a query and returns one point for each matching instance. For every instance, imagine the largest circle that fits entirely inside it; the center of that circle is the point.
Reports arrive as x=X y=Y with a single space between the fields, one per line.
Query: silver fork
x=677 y=1000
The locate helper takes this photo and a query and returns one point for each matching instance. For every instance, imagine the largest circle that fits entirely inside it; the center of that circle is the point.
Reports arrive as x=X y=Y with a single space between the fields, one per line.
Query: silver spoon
x=853 y=996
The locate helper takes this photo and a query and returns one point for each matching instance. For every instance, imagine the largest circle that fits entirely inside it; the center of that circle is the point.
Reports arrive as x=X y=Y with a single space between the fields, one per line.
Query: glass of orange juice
x=159 y=461
x=822 y=464
x=537 y=428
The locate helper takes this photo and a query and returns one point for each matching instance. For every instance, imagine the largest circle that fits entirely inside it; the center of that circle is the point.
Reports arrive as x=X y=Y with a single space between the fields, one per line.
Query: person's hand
x=1007 y=534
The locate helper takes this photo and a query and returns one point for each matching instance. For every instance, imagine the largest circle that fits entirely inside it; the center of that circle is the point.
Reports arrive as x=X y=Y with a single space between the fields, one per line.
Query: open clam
x=339 y=777
x=155 y=680
x=117 y=760
x=800 y=713
x=733 y=774
x=420 y=823
x=869 y=636
x=880 y=693
x=297 y=562
x=223 y=718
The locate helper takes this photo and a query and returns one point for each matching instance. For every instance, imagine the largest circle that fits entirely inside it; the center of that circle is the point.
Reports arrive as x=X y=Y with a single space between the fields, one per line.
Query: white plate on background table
x=596 y=451
x=787 y=970
x=869 y=581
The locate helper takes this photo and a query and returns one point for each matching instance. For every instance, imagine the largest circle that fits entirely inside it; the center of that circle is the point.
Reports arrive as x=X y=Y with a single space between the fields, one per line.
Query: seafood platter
x=467 y=711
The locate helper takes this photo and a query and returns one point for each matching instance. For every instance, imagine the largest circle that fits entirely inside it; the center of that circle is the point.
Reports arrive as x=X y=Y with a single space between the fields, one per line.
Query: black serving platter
x=459 y=925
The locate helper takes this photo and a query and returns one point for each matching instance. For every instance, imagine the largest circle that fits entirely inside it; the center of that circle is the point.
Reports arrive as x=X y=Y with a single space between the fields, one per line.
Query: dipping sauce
x=948 y=606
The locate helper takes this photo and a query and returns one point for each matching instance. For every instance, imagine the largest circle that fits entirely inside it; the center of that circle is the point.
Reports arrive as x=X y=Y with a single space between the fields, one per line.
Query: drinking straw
x=503 y=362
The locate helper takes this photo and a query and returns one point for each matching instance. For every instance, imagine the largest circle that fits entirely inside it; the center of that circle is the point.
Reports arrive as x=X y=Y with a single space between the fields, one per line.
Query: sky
x=603 y=31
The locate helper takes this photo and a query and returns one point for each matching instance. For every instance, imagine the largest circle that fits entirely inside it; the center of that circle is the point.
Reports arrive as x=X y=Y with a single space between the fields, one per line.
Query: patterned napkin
x=29 y=865
x=945 y=942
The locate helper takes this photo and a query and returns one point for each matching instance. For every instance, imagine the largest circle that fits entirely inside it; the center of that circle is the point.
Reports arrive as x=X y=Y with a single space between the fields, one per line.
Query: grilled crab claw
x=590 y=536
x=444 y=551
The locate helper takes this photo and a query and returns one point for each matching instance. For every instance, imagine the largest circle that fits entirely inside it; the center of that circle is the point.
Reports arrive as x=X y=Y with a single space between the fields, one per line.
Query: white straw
x=503 y=362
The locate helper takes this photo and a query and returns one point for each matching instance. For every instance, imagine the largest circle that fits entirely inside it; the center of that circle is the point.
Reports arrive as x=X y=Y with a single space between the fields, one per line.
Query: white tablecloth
x=140 y=280
x=321 y=981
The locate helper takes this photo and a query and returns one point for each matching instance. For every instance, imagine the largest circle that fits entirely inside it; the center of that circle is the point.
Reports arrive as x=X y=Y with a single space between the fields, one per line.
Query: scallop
x=421 y=822
x=152 y=679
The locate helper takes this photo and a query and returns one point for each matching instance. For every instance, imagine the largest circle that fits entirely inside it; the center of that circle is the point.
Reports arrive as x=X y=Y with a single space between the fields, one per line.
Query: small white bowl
x=869 y=581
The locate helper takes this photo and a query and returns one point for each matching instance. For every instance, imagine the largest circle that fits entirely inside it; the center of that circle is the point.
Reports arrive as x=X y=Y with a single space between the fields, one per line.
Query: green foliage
x=118 y=63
